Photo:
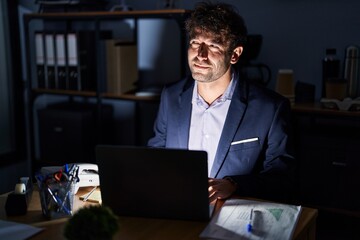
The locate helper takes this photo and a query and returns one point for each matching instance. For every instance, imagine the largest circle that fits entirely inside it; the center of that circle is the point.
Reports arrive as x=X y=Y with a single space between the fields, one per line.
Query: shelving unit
x=94 y=18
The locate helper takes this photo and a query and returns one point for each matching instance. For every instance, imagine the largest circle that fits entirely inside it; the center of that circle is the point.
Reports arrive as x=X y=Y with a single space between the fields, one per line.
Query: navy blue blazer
x=255 y=147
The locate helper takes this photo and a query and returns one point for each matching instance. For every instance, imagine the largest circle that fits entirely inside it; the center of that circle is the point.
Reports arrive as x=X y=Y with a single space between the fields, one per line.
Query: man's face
x=208 y=58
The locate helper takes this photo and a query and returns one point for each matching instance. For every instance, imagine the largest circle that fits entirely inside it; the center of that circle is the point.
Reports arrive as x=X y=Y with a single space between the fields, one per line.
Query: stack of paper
x=268 y=221
x=14 y=231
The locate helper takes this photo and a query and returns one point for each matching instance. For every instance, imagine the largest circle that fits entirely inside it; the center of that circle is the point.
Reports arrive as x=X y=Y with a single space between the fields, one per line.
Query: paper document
x=249 y=219
x=17 y=231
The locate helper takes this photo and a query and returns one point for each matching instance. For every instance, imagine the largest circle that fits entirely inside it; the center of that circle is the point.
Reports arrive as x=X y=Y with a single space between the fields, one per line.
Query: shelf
x=167 y=13
x=126 y=96
x=132 y=97
x=64 y=92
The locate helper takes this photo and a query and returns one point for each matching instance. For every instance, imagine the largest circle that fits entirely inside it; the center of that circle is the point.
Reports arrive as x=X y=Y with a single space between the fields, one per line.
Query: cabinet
x=328 y=153
x=94 y=21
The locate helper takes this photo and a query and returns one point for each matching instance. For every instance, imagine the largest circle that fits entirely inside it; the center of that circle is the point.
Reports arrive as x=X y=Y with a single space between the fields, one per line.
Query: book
x=121 y=66
x=250 y=219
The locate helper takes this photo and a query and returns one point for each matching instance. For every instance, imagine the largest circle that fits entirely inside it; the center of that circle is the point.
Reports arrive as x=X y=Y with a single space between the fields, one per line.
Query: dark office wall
x=10 y=175
x=295 y=33
x=13 y=164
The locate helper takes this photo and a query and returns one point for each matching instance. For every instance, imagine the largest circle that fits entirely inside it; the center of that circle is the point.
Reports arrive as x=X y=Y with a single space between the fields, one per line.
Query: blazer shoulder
x=179 y=86
x=269 y=95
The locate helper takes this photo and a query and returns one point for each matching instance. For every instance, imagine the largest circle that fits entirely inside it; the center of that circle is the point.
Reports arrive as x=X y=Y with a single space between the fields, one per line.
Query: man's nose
x=203 y=52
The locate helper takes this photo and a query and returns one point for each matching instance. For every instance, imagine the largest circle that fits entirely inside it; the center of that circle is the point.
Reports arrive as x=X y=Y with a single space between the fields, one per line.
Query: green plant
x=92 y=222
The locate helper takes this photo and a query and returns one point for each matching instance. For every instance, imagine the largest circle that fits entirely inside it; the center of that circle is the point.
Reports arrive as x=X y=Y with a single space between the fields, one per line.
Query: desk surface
x=139 y=228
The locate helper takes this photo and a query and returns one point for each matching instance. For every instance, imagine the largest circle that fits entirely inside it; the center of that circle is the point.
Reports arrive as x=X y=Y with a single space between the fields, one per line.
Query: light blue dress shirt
x=207 y=121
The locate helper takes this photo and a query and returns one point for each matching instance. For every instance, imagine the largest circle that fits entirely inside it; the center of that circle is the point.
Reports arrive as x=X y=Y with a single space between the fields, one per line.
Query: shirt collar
x=226 y=96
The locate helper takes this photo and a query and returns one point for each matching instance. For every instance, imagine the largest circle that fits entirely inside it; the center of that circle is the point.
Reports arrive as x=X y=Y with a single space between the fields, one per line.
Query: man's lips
x=201 y=66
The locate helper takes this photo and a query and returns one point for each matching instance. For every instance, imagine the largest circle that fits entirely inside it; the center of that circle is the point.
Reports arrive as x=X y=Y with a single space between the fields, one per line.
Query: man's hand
x=220 y=189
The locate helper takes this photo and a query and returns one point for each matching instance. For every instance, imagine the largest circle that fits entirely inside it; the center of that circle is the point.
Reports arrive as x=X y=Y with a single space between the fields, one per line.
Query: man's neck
x=211 y=91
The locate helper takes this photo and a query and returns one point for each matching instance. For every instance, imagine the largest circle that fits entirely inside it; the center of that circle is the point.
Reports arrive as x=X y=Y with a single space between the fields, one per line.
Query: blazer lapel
x=184 y=113
x=233 y=119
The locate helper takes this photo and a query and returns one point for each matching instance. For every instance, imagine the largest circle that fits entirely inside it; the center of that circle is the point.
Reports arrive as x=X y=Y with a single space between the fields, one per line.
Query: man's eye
x=215 y=47
x=194 y=44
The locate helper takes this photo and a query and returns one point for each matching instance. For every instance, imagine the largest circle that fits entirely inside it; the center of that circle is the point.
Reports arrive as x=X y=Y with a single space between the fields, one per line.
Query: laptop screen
x=154 y=182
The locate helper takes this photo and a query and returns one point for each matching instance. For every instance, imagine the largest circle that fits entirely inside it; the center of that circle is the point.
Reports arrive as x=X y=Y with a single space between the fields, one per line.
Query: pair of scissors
x=60 y=176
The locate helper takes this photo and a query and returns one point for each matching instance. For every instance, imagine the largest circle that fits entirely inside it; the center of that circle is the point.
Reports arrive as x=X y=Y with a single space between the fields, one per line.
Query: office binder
x=88 y=60
x=81 y=59
x=121 y=66
x=73 y=62
x=50 y=61
x=40 y=60
x=61 y=72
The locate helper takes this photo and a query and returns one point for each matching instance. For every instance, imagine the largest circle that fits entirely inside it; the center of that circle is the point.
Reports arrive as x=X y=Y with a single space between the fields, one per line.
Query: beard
x=211 y=73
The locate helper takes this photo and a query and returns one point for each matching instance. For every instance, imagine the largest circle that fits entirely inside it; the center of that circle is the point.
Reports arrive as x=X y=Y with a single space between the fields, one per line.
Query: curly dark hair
x=220 y=19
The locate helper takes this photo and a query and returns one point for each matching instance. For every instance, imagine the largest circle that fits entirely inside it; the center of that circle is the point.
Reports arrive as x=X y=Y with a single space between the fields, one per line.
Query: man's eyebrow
x=216 y=40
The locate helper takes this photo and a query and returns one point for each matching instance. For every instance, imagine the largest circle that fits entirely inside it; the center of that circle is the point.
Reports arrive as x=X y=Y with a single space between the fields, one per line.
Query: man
x=244 y=128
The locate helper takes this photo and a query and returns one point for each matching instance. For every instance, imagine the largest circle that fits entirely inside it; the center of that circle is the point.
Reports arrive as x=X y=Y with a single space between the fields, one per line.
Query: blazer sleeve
x=160 y=125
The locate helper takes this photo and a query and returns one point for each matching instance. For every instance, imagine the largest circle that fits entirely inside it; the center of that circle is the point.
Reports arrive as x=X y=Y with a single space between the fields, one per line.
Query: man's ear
x=236 y=54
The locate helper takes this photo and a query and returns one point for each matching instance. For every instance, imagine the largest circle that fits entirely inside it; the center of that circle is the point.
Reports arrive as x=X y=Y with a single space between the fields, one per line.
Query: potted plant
x=92 y=222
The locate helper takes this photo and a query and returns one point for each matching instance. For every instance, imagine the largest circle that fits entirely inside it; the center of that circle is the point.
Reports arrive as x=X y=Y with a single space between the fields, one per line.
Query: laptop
x=154 y=182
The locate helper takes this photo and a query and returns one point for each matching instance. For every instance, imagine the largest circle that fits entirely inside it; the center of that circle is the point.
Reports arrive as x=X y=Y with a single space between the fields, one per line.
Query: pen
x=249 y=226
x=89 y=194
x=66 y=168
x=67 y=197
x=57 y=200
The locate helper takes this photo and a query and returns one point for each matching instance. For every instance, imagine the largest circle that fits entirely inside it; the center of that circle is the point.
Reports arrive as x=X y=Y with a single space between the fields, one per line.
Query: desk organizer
x=56 y=189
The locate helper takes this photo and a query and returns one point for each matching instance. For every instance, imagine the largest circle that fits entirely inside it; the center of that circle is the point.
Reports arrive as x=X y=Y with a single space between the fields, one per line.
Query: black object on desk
x=16 y=204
